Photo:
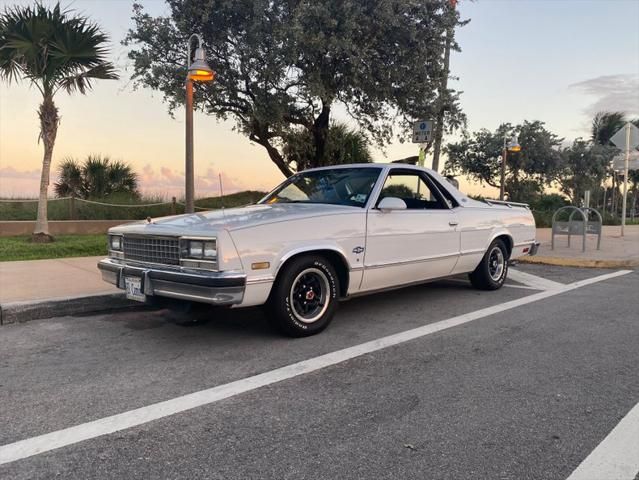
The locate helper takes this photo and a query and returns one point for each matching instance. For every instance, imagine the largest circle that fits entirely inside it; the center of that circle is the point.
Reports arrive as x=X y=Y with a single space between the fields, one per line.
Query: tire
x=491 y=273
x=305 y=296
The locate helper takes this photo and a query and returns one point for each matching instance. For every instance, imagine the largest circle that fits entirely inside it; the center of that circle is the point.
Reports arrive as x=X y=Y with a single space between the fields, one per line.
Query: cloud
x=19 y=183
x=164 y=181
x=10 y=172
x=612 y=93
x=167 y=181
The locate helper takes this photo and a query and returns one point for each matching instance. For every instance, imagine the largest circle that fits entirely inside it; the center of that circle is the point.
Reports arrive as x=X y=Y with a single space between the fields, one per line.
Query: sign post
x=625 y=179
x=626 y=138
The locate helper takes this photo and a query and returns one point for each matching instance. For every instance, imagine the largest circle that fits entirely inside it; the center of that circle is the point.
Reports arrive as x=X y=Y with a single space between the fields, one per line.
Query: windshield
x=338 y=186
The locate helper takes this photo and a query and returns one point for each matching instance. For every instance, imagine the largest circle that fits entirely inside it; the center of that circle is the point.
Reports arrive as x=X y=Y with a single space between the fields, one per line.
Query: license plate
x=133 y=287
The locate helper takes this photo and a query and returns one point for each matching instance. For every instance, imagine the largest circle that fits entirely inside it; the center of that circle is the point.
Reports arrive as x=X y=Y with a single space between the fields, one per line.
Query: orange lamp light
x=201 y=75
x=199 y=70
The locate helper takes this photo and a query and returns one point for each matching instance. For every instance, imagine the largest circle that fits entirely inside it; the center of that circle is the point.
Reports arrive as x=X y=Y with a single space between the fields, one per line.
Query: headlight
x=195 y=249
x=201 y=249
x=115 y=242
x=210 y=250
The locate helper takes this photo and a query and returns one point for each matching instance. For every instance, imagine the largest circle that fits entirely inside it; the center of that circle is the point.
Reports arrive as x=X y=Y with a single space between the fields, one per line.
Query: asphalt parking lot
x=438 y=381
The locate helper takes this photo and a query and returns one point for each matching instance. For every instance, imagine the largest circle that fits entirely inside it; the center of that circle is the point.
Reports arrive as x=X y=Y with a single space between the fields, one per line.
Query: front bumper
x=217 y=288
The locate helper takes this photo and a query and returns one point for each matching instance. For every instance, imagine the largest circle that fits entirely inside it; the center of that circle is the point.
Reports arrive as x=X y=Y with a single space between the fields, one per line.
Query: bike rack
x=577 y=227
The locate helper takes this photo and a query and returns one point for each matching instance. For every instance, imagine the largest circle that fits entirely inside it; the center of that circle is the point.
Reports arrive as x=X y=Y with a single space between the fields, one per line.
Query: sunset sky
x=558 y=61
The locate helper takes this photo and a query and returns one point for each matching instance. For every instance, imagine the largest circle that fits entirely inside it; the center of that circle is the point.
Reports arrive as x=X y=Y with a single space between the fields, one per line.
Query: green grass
x=64 y=209
x=238 y=199
x=21 y=248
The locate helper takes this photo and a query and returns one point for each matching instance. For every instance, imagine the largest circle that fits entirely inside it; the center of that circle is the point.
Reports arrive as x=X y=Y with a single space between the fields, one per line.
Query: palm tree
x=343 y=145
x=97 y=177
x=52 y=50
x=605 y=125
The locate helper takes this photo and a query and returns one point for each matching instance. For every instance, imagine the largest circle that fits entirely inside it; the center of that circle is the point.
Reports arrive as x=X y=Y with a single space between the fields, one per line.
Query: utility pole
x=512 y=146
x=502 y=181
x=189 y=176
x=198 y=71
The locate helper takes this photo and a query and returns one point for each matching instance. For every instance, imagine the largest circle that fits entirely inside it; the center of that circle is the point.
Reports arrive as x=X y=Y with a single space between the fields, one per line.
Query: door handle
x=453 y=224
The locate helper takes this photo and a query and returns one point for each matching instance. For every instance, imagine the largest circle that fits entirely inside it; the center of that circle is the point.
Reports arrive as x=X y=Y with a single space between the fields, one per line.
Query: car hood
x=206 y=223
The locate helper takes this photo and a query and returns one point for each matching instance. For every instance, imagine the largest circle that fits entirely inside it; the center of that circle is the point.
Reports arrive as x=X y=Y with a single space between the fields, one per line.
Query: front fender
x=312 y=247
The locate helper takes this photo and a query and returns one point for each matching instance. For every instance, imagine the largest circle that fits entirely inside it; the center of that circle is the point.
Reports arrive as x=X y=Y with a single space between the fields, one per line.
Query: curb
x=19 y=312
x=579 y=262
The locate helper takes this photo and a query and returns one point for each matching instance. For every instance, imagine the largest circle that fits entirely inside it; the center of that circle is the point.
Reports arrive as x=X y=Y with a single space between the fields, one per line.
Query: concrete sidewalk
x=57 y=278
x=41 y=288
x=616 y=251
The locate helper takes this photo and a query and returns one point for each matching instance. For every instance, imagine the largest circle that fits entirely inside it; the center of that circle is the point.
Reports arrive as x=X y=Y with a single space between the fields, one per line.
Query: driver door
x=411 y=245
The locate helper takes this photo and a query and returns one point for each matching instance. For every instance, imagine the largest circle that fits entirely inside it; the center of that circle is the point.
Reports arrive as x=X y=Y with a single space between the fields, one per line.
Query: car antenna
x=221 y=192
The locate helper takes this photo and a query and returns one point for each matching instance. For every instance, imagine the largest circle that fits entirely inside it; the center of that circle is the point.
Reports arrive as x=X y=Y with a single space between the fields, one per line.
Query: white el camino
x=322 y=235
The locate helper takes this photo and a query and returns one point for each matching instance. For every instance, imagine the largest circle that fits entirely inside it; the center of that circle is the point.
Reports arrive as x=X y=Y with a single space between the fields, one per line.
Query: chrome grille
x=165 y=251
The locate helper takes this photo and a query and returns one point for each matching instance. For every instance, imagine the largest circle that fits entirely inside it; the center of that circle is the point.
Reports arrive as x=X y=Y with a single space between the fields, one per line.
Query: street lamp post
x=511 y=145
x=198 y=71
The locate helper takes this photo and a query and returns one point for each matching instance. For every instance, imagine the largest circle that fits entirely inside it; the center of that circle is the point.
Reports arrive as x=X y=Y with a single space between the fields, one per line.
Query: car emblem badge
x=358 y=250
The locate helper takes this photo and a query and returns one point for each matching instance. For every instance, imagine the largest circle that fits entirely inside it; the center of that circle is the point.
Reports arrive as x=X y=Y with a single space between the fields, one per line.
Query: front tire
x=491 y=273
x=304 y=298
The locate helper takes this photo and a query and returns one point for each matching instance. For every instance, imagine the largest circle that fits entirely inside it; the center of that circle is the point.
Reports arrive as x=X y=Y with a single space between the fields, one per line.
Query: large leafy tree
x=477 y=156
x=584 y=167
x=286 y=65
x=96 y=177
x=53 y=50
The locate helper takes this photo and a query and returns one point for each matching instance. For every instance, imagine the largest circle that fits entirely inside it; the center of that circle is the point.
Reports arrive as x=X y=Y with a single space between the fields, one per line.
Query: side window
x=411 y=188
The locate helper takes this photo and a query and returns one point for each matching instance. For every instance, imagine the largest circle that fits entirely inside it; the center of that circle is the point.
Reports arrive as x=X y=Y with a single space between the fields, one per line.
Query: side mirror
x=389 y=204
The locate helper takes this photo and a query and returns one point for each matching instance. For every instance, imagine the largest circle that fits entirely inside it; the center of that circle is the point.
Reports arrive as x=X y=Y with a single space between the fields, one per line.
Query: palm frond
x=69 y=179
x=605 y=125
x=82 y=82
x=52 y=48
x=97 y=177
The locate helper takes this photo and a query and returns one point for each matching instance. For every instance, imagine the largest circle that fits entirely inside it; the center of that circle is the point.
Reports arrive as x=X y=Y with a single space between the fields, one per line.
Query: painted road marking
x=523 y=287
x=617 y=457
x=534 y=281
x=461 y=281
x=132 y=418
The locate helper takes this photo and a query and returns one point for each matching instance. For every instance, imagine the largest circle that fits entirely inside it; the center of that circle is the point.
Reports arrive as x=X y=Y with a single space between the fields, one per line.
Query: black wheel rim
x=309 y=297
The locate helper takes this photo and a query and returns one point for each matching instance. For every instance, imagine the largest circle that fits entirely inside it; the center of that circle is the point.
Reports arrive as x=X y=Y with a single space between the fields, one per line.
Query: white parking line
x=509 y=285
x=617 y=457
x=533 y=281
x=104 y=426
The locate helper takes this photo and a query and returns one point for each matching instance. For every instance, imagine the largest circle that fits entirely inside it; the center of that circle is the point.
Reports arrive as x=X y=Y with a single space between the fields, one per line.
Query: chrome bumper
x=217 y=288
x=533 y=249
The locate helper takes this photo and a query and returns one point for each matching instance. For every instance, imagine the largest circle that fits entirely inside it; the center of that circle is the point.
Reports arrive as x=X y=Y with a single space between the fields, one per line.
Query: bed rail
x=508 y=203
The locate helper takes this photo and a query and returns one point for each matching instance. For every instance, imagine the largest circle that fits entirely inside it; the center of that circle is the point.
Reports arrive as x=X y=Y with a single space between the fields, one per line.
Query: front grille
x=165 y=251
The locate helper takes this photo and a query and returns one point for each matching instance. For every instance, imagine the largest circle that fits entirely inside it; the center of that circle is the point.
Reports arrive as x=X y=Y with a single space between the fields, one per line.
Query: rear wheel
x=304 y=297
x=491 y=273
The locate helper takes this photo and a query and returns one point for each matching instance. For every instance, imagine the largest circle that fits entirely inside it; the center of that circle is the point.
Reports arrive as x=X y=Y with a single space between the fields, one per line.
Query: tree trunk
x=274 y=154
x=49 y=119
x=320 y=135
x=442 y=100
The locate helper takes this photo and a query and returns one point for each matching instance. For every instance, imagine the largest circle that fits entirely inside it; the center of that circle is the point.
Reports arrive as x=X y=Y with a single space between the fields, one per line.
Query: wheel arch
x=333 y=255
x=506 y=238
